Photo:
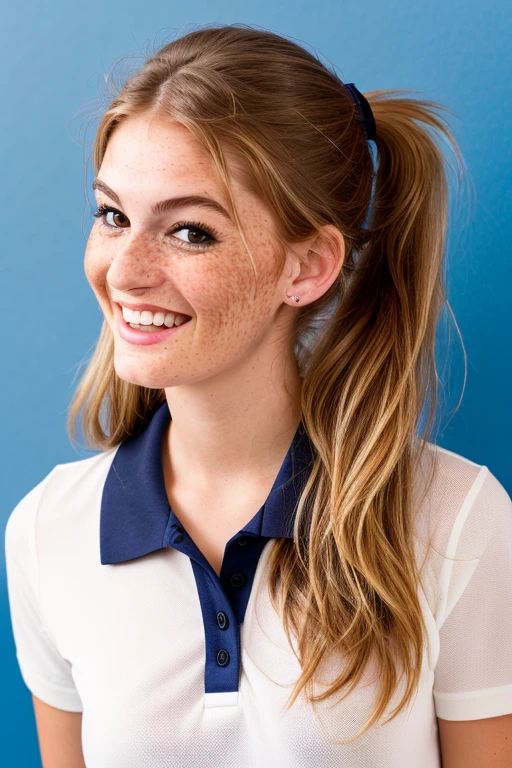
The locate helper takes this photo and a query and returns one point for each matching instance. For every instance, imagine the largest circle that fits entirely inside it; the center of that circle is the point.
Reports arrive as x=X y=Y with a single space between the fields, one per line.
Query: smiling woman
x=205 y=280
x=265 y=564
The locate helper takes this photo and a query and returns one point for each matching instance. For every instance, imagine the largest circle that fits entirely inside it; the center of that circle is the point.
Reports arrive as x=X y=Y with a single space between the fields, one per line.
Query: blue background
x=53 y=58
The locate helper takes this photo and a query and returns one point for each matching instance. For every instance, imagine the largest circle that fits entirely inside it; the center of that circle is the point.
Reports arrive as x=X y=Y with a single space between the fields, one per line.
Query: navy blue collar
x=136 y=518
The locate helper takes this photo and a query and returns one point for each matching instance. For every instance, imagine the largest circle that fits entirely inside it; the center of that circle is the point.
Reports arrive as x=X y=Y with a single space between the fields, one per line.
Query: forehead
x=155 y=153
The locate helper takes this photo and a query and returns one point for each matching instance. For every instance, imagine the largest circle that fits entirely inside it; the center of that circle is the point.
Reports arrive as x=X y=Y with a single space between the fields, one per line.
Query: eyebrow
x=167 y=205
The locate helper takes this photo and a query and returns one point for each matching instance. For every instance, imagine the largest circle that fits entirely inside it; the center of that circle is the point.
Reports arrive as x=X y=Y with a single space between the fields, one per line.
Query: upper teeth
x=153 y=318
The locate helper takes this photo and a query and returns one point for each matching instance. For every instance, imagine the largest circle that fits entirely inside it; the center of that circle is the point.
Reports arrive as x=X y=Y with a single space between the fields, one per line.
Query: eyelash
x=102 y=211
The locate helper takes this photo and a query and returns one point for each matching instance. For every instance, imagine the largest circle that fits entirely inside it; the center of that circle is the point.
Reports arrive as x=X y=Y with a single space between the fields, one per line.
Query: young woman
x=265 y=564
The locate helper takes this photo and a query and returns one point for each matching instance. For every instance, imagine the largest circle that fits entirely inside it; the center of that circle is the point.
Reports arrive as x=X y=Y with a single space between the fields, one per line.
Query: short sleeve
x=45 y=672
x=473 y=673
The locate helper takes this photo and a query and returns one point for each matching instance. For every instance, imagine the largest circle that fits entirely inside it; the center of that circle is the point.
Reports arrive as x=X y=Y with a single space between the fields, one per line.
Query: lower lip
x=144 y=337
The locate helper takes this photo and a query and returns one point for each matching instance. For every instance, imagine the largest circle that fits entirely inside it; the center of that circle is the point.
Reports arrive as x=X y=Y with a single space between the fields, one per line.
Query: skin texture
x=485 y=743
x=59 y=735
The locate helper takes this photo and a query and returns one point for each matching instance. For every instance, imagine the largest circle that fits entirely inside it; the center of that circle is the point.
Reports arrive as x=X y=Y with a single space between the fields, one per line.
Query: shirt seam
x=453 y=542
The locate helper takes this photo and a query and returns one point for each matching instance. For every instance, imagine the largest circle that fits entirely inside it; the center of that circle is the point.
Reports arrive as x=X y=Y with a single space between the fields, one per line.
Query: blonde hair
x=348 y=581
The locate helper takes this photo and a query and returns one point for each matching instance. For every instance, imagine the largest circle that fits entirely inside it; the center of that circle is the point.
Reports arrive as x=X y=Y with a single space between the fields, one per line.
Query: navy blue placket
x=223 y=600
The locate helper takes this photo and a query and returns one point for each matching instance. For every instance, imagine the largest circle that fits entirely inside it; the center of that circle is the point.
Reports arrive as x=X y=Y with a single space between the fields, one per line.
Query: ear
x=317 y=271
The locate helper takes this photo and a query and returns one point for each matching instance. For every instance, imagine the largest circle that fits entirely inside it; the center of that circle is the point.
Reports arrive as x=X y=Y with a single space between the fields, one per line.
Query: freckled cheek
x=218 y=295
x=228 y=299
x=97 y=260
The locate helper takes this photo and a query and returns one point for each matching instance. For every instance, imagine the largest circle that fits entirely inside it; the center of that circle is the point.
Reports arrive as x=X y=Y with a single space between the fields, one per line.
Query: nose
x=137 y=269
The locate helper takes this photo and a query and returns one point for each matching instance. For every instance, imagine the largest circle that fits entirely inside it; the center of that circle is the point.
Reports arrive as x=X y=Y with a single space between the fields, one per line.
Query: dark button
x=237 y=580
x=222 y=658
x=222 y=620
x=178 y=538
x=242 y=541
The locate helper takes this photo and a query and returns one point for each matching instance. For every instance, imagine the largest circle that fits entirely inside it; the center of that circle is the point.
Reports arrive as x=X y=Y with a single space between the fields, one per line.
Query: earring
x=296 y=298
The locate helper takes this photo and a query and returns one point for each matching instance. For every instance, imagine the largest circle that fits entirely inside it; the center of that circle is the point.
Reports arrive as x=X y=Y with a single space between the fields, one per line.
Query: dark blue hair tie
x=364 y=110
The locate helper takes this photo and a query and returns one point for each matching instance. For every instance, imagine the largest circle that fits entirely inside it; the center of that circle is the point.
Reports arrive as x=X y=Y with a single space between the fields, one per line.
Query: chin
x=150 y=374
x=142 y=376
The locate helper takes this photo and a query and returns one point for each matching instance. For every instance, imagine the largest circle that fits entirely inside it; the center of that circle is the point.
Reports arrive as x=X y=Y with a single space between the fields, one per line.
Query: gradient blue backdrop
x=53 y=60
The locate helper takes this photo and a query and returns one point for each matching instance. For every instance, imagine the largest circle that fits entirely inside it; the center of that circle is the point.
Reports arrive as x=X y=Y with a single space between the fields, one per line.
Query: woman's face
x=201 y=270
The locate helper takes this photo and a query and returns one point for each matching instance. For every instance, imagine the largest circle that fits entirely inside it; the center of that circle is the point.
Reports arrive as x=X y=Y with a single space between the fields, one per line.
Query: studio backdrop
x=54 y=60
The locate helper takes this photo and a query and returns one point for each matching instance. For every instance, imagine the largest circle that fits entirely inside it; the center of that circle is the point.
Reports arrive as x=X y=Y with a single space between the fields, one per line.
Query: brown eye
x=106 y=210
x=194 y=234
x=116 y=223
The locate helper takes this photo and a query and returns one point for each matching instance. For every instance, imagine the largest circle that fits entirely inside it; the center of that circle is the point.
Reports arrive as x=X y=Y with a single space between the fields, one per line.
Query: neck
x=235 y=430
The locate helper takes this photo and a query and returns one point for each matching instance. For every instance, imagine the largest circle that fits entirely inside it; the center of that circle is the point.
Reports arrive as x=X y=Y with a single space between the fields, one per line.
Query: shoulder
x=58 y=490
x=462 y=511
x=449 y=486
x=82 y=476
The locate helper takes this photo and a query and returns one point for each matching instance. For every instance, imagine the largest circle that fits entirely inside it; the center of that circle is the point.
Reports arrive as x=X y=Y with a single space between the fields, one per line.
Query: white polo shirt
x=117 y=614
